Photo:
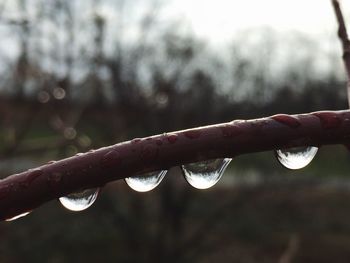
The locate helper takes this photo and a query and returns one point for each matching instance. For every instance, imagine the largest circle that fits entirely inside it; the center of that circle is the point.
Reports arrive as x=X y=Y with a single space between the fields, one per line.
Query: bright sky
x=220 y=19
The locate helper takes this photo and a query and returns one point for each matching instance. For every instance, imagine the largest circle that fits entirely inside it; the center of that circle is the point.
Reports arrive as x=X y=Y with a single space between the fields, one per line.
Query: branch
x=23 y=192
x=343 y=36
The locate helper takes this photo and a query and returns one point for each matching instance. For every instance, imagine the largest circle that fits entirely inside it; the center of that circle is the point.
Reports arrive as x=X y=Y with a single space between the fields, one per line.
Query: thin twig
x=25 y=191
x=343 y=36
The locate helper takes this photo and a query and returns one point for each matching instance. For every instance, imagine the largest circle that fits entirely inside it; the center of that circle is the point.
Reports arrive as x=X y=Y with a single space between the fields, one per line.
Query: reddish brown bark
x=25 y=191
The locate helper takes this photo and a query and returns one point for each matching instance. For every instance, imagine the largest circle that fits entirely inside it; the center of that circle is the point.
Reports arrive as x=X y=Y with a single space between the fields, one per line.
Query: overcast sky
x=220 y=19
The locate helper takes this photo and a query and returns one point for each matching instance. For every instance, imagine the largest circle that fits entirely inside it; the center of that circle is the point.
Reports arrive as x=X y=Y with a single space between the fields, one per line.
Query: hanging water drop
x=81 y=200
x=146 y=182
x=203 y=175
x=296 y=157
x=17 y=216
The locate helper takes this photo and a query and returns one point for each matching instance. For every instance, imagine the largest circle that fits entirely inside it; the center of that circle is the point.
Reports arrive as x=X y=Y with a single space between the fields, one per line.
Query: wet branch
x=343 y=36
x=25 y=191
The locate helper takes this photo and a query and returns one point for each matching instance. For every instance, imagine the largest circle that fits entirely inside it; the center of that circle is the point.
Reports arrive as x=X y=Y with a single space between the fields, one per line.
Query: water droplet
x=230 y=130
x=111 y=159
x=81 y=200
x=136 y=140
x=17 y=216
x=159 y=142
x=172 y=138
x=192 y=134
x=149 y=152
x=203 y=175
x=55 y=178
x=329 y=120
x=33 y=175
x=296 y=157
x=146 y=182
x=288 y=120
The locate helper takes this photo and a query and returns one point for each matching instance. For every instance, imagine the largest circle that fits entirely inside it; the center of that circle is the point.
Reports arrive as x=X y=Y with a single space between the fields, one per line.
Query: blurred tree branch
x=343 y=36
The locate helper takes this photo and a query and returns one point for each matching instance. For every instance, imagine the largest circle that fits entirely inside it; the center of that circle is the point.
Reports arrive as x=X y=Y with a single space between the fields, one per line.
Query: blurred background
x=78 y=75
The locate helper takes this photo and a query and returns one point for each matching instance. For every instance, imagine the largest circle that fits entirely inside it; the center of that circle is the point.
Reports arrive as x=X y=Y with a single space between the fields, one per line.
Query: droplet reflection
x=146 y=182
x=17 y=216
x=296 y=157
x=81 y=200
x=203 y=175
